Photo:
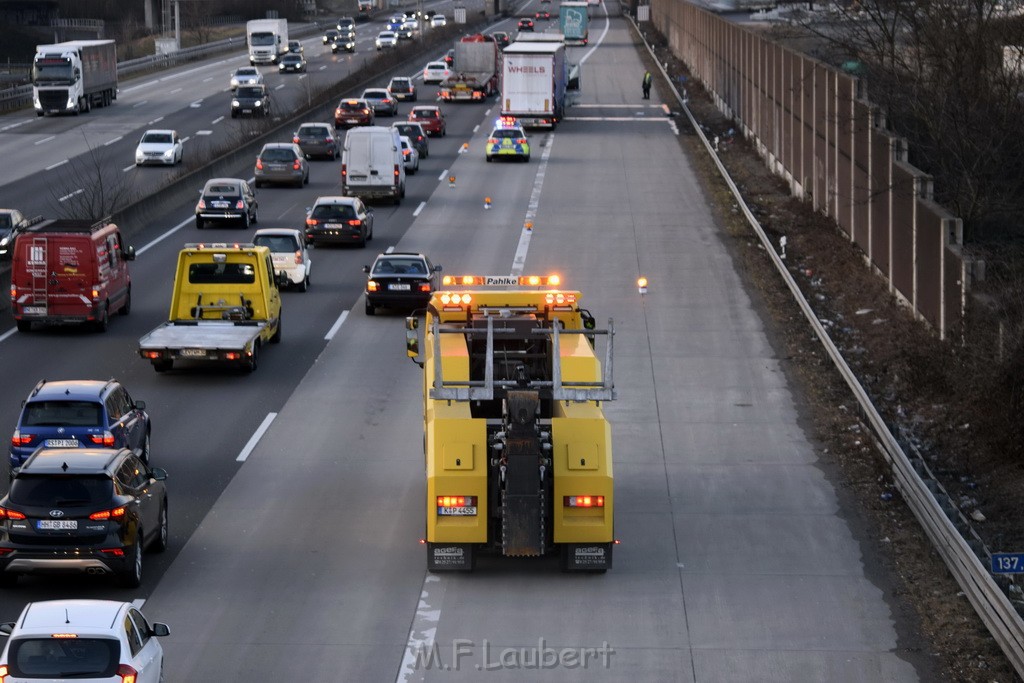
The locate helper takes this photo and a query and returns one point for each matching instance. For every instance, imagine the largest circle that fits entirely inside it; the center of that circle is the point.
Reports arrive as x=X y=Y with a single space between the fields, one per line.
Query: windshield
x=157 y=138
x=61 y=490
x=262 y=39
x=64 y=657
x=52 y=70
x=250 y=92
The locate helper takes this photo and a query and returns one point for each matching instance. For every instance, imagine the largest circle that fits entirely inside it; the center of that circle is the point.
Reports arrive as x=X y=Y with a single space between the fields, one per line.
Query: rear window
x=221 y=274
x=63 y=414
x=507 y=133
x=313 y=131
x=278 y=154
x=351 y=106
x=277 y=243
x=401 y=83
x=400 y=267
x=375 y=94
x=424 y=114
x=64 y=657
x=333 y=212
x=61 y=490
x=222 y=190
x=407 y=130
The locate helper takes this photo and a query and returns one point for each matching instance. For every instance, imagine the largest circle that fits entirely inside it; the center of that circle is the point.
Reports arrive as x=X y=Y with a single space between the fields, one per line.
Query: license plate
x=457 y=512
x=399 y=287
x=58 y=524
x=221 y=205
x=193 y=352
x=352 y=121
x=277 y=167
x=34 y=310
x=62 y=443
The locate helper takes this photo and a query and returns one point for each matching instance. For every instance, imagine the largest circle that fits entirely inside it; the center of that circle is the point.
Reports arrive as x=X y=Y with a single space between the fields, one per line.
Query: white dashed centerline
x=419 y=208
x=476 y=127
x=519 y=261
x=336 y=326
x=39 y=142
x=70 y=195
x=256 y=436
x=139 y=104
x=176 y=90
x=127 y=168
x=444 y=174
x=279 y=86
x=156 y=120
x=108 y=143
x=204 y=132
x=216 y=120
x=53 y=166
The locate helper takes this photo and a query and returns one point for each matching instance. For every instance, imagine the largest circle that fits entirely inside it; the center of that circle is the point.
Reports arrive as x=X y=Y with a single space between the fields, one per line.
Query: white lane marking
x=519 y=261
x=444 y=174
x=185 y=139
x=612 y=118
x=423 y=630
x=156 y=120
x=336 y=326
x=216 y=120
x=138 y=603
x=53 y=166
x=175 y=90
x=39 y=142
x=419 y=208
x=70 y=195
x=110 y=142
x=142 y=250
x=390 y=250
x=600 y=39
x=256 y=436
x=139 y=104
x=278 y=87
x=8 y=333
x=476 y=127
x=488 y=112
x=593 y=105
x=176 y=75
x=207 y=80
x=127 y=168
x=195 y=105
x=204 y=132
x=15 y=125
x=322 y=68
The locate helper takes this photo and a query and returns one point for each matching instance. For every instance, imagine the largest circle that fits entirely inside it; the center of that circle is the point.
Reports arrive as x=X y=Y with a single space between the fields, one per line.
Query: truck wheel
x=163 y=365
x=254 y=359
x=24 y=325
x=103 y=321
x=127 y=308
x=276 y=339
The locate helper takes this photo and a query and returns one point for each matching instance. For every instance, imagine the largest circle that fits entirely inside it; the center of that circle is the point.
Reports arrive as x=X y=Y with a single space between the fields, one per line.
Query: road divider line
x=216 y=120
x=336 y=326
x=279 y=86
x=127 y=168
x=600 y=39
x=444 y=174
x=15 y=125
x=256 y=436
x=108 y=143
x=139 y=104
x=176 y=90
x=519 y=261
x=142 y=250
x=185 y=139
x=156 y=120
x=390 y=250
x=53 y=166
x=195 y=105
x=69 y=195
x=419 y=208
x=39 y=142
x=322 y=67
x=7 y=334
x=423 y=630
x=204 y=132
x=207 y=80
x=476 y=127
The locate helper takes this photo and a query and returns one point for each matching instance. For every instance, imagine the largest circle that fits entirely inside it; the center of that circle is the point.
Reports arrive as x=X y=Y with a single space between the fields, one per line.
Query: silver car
x=288 y=252
x=281 y=162
x=246 y=75
x=410 y=156
x=318 y=139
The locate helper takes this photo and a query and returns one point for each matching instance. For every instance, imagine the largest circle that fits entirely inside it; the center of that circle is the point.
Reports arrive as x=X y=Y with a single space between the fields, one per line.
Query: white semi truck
x=267 y=40
x=72 y=77
x=533 y=83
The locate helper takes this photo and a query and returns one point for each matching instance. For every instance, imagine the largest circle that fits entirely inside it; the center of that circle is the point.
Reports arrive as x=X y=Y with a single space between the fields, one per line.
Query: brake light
x=202 y=204
x=4 y=673
x=396 y=173
x=295 y=139
x=419 y=138
x=95 y=292
x=259 y=164
x=311 y=221
x=298 y=258
x=328 y=139
x=492 y=141
x=19 y=439
x=455 y=501
x=152 y=355
x=239 y=204
x=354 y=222
x=127 y=674
x=424 y=287
x=521 y=141
x=338 y=113
x=583 y=501
x=7 y=513
x=405 y=152
x=113 y=552
x=296 y=165
x=372 y=286
x=102 y=515
x=232 y=355
x=344 y=171
x=105 y=439
x=14 y=291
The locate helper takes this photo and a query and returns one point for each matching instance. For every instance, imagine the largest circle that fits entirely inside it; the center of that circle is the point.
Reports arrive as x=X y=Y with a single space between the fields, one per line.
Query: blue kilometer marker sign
x=1008 y=563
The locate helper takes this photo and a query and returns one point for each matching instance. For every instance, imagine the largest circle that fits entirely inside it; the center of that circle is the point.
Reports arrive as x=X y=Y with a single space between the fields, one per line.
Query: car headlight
x=169 y=153
x=281 y=65
x=234 y=103
x=259 y=104
x=234 y=83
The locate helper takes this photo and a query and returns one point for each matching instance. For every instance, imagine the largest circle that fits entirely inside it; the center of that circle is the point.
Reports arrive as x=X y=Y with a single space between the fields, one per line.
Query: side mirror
x=128 y=253
x=437 y=269
x=140 y=405
x=159 y=473
x=6 y=628
x=159 y=630
x=412 y=337
x=366 y=269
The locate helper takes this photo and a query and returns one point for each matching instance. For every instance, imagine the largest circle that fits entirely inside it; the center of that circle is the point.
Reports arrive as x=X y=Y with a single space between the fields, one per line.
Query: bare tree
x=92 y=186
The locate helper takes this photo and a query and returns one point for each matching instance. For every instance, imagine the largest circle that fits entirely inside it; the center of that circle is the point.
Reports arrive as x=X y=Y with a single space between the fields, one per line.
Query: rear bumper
x=371 y=191
x=398 y=300
x=76 y=316
x=221 y=215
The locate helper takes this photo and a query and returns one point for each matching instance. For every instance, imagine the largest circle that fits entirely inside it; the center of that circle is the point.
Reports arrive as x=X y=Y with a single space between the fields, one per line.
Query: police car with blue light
x=507 y=139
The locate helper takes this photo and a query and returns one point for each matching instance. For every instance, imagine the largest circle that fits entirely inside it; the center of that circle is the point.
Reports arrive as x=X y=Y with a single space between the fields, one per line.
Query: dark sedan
x=400 y=280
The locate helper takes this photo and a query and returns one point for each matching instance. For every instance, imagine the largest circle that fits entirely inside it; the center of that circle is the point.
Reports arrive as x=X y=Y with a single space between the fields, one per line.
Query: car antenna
x=67 y=617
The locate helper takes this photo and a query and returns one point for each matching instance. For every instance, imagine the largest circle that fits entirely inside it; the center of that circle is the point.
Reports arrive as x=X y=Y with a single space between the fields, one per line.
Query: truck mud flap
x=450 y=557
x=586 y=557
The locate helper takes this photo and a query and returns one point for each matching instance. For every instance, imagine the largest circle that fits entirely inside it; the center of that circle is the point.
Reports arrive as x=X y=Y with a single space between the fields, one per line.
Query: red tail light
x=105 y=439
x=202 y=204
x=113 y=552
x=419 y=138
x=424 y=287
x=127 y=674
x=329 y=139
x=19 y=439
x=14 y=291
x=7 y=513
x=355 y=222
x=521 y=141
x=239 y=204
x=295 y=139
x=259 y=164
x=583 y=501
x=296 y=165
x=406 y=152
x=338 y=113
x=311 y=221
x=396 y=173
x=372 y=286
x=492 y=141
x=103 y=515
x=344 y=171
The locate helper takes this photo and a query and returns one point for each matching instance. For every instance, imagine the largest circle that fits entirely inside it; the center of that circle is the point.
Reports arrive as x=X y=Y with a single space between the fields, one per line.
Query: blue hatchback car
x=80 y=414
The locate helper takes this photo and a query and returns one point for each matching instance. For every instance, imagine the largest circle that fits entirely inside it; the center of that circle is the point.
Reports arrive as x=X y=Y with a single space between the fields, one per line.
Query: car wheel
x=127 y=307
x=489 y=159
x=258 y=184
x=370 y=308
x=305 y=284
x=276 y=338
x=103 y=321
x=163 y=365
x=246 y=219
x=199 y=223
x=526 y=159
x=162 y=538
x=306 y=180
x=144 y=457
x=131 y=577
x=234 y=115
x=24 y=325
x=255 y=215
x=300 y=182
x=254 y=360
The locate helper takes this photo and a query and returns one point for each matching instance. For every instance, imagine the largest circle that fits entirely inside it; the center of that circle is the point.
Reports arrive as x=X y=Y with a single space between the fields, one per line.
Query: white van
x=372 y=165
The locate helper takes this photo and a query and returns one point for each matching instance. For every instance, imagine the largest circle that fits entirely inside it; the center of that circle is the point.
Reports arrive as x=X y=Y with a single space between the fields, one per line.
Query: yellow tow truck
x=518 y=450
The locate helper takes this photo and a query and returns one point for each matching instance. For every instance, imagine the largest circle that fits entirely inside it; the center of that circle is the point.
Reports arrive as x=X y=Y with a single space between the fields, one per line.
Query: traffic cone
x=487 y=202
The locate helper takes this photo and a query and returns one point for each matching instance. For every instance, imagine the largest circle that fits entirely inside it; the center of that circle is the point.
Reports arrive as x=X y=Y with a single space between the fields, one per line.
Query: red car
x=431 y=118
x=353 y=113
x=449 y=58
x=543 y=14
x=526 y=24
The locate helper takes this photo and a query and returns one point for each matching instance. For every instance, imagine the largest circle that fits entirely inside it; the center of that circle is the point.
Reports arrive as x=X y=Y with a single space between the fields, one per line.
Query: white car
x=438 y=20
x=436 y=72
x=85 y=641
x=386 y=39
x=159 y=147
x=288 y=252
x=410 y=155
x=246 y=75
x=408 y=29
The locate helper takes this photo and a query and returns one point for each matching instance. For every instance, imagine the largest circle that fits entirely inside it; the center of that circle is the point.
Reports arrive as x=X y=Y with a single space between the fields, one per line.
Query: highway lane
x=49 y=158
x=203 y=419
x=737 y=562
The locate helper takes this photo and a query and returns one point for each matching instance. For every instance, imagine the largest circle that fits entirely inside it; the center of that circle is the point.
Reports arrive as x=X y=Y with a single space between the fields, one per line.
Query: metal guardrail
x=1003 y=621
x=19 y=96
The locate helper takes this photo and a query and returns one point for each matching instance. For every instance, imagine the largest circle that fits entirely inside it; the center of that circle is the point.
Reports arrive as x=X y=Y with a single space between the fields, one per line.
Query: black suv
x=250 y=100
x=88 y=510
x=80 y=413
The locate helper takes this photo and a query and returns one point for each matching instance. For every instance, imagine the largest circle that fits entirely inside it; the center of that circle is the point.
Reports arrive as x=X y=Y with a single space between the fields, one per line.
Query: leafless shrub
x=92 y=186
